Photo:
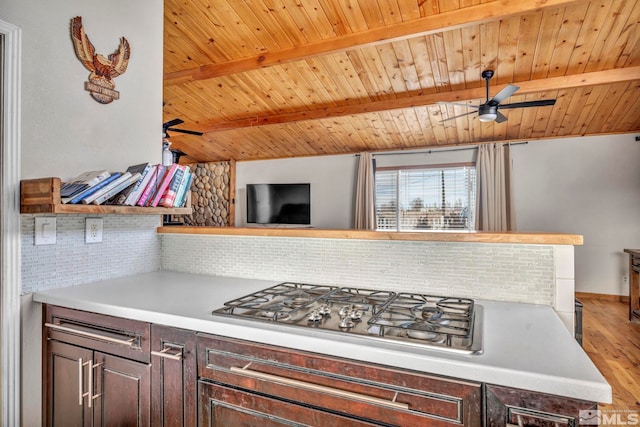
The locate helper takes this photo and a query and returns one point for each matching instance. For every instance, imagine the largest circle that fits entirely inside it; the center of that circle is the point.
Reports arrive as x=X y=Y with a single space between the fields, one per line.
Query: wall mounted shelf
x=42 y=195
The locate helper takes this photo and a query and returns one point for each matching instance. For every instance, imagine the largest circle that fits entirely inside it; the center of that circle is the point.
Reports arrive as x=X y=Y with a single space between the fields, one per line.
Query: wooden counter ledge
x=467 y=237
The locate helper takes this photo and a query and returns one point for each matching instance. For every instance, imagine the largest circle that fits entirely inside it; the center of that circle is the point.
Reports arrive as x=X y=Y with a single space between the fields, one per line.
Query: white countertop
x=525 y=346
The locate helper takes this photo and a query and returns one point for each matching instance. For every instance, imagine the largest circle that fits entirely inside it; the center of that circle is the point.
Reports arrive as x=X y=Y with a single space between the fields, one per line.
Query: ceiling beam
x=445 y=21
x=533 y=86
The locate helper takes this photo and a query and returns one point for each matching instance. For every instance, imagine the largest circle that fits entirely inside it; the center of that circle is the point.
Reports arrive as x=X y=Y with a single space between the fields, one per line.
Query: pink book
x=151 y=186
x=170 y=193
x=166 y=181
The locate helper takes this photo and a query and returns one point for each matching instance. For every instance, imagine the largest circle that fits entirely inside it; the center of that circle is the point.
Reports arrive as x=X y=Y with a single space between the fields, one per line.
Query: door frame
x=10 y=250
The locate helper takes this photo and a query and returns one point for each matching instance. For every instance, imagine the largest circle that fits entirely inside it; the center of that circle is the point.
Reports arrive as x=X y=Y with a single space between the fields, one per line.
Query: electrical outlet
x=625 y=280
x=93 y=230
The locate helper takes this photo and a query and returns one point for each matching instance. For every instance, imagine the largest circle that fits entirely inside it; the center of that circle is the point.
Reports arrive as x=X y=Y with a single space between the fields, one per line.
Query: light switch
x=45 y=231
x=93 y=231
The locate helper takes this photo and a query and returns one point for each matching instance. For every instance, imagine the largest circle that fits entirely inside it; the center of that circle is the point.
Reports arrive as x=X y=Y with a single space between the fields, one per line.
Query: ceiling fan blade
x=540 y=103
x=500 y=117
x=461 y=104
x=190 y=132
x=503 y=94
x=172 y=123
x=455 y=117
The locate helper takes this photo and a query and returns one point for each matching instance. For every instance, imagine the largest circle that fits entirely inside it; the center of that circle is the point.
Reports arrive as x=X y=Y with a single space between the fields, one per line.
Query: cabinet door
x=121 y=392
x=173 y=377
x=66 y=382
x=221 y=406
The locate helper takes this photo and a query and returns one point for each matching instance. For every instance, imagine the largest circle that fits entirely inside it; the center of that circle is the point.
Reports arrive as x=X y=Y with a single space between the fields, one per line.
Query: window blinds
x=415 y=199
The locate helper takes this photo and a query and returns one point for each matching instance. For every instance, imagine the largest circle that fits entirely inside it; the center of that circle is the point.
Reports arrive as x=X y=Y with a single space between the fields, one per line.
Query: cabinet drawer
x=373 y=392
x=509 y=406
x=112 y=335
x=223 y=406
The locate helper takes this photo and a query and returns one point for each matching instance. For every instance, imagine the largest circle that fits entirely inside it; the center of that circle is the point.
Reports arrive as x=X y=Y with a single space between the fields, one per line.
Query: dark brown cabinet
x=109 y=371
x=509 y=406
x=251 y=376
x=66 y=384
x=98 y=372
x=174 y=377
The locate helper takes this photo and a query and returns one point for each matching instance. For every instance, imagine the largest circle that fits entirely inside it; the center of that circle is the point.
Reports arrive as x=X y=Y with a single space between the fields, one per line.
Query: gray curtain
x=494 y=197
x=365 y=207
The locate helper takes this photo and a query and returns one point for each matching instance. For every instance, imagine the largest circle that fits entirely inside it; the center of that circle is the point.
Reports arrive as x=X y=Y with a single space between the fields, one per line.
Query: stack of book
x=140 y=185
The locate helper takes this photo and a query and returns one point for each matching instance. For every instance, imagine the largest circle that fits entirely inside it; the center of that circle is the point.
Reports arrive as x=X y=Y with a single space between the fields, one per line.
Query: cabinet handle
x=80 y=381
x=129 y=342
x=92 y=397
x=165 y=353
x=81 y=393
x=320 y=388
x=521 y=414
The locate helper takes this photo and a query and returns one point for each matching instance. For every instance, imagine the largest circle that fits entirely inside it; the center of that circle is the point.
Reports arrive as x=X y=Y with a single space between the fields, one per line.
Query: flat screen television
x=279 y=204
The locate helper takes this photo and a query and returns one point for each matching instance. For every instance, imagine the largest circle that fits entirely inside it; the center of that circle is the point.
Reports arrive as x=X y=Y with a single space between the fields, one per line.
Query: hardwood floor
x=613 y=344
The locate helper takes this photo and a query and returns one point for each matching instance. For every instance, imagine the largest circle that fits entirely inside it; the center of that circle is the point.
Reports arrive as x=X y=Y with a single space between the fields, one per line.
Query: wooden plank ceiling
x=286 y=78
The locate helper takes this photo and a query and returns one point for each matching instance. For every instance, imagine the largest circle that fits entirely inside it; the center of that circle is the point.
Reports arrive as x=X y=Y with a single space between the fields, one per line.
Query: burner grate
x=410 y=318
x=435 y=319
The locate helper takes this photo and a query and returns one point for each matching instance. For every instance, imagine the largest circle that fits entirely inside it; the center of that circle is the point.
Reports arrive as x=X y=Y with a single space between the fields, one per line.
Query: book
x=152 y=185
x=164 y=183
x=185 y=188
x=137 y=190
x=82 y=182
x=121 y=197
x=132 y=179
x=91 y=197
x=89 y=191
x=170 y=193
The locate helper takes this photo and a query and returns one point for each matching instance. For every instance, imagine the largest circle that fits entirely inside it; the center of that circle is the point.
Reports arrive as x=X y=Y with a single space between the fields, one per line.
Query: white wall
x=332 y=179
x=64 y=130
x=588 y=186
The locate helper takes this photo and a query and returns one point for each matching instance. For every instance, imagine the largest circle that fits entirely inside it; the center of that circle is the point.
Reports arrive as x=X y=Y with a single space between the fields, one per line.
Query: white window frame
x=470 y=202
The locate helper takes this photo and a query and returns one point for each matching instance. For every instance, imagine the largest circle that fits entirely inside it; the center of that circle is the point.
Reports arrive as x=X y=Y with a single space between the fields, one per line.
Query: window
x=426 y=198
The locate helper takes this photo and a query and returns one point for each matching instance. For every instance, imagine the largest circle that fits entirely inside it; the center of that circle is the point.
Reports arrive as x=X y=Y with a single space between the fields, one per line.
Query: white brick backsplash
x=507 y=272
x=130 y=245
x=519 y=273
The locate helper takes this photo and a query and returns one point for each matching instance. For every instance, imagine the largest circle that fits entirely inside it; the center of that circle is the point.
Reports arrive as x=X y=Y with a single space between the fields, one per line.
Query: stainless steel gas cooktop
x=443 y=323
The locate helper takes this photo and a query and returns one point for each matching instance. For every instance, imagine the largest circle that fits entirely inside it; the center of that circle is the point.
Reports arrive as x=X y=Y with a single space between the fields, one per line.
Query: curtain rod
x=437 y=150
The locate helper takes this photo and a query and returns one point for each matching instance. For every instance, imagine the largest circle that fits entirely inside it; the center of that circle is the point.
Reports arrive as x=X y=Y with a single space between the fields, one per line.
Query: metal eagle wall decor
x=103 y=70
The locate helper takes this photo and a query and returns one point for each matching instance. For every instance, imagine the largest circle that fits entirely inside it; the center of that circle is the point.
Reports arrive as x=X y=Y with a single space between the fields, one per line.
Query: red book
x=164 y=183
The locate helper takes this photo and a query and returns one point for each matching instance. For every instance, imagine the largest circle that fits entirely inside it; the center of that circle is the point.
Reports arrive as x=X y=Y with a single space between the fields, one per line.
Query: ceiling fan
x=488 y=111
x=169 y=126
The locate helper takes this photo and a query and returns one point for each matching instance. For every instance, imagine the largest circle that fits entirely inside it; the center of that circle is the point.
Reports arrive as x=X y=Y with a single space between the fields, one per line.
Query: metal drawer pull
x=80 y=381
x=164 y=353
x=89 y=393
x=129 y=342
x=320 y=388
x=82 y=394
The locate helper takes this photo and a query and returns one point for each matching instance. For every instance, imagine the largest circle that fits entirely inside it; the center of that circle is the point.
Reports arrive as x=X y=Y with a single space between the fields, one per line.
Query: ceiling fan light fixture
x=488 y=113
x=488 y=117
